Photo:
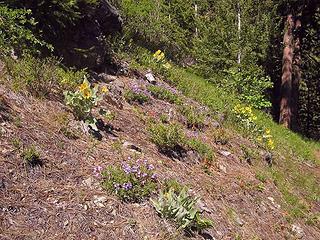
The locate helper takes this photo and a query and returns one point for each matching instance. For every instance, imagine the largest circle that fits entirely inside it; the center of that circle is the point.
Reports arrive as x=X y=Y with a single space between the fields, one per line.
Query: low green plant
x=164 y=94
x=220 y=136
x=17 y=144
x=131 y=182
x=83 y=100
x=262 y=177
x=194 y=119
x=203 y=149
x=40 y=77
x=31 y=156
x=132 y=96
x=181 y=208
x=172 y=184
x=166 y=136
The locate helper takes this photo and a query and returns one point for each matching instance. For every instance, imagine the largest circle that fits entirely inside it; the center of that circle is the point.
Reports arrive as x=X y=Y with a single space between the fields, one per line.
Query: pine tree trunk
x=286 y=80
x=296 y=74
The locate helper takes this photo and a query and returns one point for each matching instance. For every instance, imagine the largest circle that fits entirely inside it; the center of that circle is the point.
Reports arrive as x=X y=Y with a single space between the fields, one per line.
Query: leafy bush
x=15 y=33
x=54 y=16
x=164 y=94
x=166 y=136
x=181 y=208
x=194 y=119
x=83 y=100
x=40 y=77
x=131 y=182
x=251 y=87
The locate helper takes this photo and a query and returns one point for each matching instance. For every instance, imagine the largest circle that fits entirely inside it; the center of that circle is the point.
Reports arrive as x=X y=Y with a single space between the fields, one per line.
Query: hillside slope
x=61 y=198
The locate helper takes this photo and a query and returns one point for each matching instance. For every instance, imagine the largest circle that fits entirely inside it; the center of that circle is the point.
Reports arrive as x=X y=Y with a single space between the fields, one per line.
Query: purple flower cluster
x=138 y=173
x=97 y=171
x=137 y=90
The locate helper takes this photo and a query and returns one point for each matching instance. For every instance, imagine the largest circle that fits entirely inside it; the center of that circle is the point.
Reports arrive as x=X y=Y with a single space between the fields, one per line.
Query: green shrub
x=54 y=17
x=40 y=77
x=194 y=119
x=166 y=136
x=164 y=94
x=15 y=33
x=181 y=208
x=132 y=182
x=203 y=149
x=83 y=100
x=31 y=156
x=250 y=86
x=133 y=96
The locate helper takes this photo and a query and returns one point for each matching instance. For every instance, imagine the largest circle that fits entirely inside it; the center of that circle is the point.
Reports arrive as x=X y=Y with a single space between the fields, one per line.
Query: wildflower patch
x=131 y=182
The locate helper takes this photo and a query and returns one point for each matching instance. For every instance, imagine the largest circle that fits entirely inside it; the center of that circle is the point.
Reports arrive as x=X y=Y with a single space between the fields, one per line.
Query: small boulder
x=151 y=79
x=297 y=231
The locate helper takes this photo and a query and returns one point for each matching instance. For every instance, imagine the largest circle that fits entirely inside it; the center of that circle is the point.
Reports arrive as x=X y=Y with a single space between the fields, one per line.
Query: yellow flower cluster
x=244 y=113
x=267 y=139
x=159 y=56
x=85 y=89
x=246 y=116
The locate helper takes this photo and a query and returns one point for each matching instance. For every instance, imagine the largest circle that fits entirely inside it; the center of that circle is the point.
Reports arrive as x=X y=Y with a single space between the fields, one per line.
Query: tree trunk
x=296 y=74
x=286 y=80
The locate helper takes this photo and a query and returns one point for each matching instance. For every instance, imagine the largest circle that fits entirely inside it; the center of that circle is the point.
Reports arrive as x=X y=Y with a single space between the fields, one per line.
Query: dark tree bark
x=286 y=80
x=296 y=74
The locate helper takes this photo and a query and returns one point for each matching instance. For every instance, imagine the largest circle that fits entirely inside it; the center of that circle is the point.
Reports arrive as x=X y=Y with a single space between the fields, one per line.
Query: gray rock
x=297 y=231
x=88 y=182
x=215 y=124
x=104 y=77
x=99 y=201
x=239 y=221
x=192 y=157
x=225 y=153
x=202 y=206
x=223 y=168
x=131 y=146
x=151 y=79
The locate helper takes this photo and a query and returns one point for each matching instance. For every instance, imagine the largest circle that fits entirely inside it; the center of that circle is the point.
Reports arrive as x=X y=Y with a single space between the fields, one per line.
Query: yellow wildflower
x=270 y=143
x=157 y=53
x=248 y=109
x=87 y=93
x=84 y=86
x=259 y=139
x=268 y=131
x=167 y=65
x=104 y=89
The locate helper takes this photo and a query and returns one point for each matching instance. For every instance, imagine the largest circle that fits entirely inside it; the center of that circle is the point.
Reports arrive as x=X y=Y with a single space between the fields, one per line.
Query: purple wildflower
x=127 y=186
x=116 y=186
x=150 y=167
x=154 y=176
x=126 y=168
x=144 y=175
x=134 y=169
x=97 y=171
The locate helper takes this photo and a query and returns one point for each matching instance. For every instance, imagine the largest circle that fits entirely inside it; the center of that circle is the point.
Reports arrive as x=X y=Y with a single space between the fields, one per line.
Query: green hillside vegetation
x=183 y=133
